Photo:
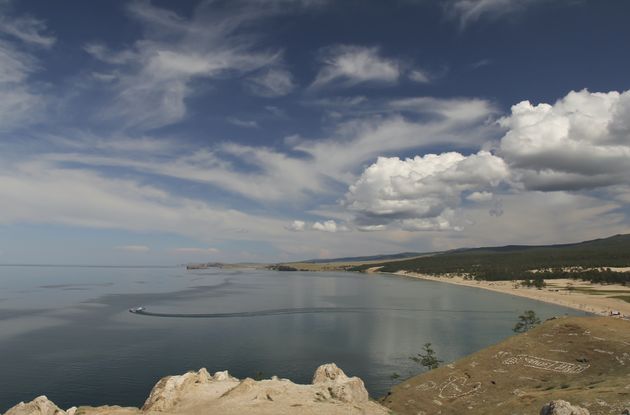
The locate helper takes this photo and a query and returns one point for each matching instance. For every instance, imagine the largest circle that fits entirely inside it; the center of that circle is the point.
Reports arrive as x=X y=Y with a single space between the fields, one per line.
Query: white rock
x=340 y=386
x=38 y=406
x=560 y=407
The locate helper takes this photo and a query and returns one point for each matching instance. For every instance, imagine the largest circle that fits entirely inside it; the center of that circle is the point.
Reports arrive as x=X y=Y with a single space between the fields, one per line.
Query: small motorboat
x=136 y=309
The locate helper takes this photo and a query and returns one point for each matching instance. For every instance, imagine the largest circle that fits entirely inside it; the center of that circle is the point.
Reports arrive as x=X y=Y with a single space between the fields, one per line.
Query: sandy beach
x=580 y=295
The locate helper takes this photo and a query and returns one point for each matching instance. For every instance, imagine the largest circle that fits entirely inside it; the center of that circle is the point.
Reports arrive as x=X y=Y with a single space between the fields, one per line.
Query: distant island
x=205 y=265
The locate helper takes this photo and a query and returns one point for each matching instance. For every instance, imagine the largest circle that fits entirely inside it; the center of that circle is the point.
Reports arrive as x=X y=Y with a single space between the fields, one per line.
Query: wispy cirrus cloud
x=351 y=65
x=195 y=251
x=273 y=175
x=21 y=103
x=271 y=83
x=27 y=29
x=133 y=248
x=470 y=11
x=154 y=76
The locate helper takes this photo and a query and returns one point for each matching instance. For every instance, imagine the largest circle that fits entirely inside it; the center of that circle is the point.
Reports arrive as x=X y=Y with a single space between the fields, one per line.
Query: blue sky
x=162 y=132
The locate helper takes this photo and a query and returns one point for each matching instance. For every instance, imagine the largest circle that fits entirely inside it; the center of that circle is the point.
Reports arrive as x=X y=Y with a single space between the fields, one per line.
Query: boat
x=136 y=309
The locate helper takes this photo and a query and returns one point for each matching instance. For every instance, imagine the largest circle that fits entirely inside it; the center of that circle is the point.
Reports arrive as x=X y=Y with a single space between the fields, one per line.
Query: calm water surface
x=66 y=331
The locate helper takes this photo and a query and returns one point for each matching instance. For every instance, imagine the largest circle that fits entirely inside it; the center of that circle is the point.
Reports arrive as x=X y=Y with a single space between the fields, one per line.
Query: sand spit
x=579 y=295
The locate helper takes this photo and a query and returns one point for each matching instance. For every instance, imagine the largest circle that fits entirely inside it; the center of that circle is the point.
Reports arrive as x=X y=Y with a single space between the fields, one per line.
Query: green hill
x=588 y=260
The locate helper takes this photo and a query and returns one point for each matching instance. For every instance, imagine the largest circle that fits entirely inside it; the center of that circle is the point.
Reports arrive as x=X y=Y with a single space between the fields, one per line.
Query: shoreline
x=585 y=296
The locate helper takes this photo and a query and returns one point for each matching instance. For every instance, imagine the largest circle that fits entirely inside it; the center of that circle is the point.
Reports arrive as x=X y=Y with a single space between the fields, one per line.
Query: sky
x=167 y=132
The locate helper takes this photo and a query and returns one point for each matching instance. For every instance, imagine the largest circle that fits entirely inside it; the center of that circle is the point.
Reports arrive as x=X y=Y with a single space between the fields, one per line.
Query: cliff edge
x=195 y=393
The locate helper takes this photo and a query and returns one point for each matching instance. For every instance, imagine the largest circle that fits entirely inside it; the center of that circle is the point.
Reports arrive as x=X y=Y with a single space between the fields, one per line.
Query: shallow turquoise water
x=66 y=331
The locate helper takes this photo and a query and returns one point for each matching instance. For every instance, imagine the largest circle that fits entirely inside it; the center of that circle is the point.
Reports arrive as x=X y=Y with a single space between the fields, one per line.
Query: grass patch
x=593 y=291
x=625 y=298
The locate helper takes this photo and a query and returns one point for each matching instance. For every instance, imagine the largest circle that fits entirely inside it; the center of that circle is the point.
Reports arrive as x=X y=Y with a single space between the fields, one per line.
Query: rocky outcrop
x=561 y=407
x=38 y=406
x=176 y=391
x=195 y=393
x=338 y=385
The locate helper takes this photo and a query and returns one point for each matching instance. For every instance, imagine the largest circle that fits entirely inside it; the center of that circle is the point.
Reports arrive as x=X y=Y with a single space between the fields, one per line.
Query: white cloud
x=274 y=82
x=103 y=53
x=133 y=248
x=419 y=76
x=195 y=251
x=580 y=142
x=38 y=192
x=297 y=226
x=480 y=196
x=463 y=109
x=469 y=11
x=537 y=218
x=20 y=103
x=27 y=29
x=352 y=65
x=329 y=226
x=15 y=66
x=243 y=123
x=154 y=76
x=422 y=193
x=272 y=175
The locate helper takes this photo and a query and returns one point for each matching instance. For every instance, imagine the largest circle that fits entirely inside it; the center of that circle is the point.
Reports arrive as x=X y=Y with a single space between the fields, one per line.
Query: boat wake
x=309 y=310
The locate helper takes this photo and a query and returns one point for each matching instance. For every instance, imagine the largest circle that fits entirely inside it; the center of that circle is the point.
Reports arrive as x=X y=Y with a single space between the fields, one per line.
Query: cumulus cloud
x=133 y=248
x=422 y=193
x=351 y=65
x=480 y=196
x=580 y=142
x=329 y=226
x=274 y=82
x=297 y=226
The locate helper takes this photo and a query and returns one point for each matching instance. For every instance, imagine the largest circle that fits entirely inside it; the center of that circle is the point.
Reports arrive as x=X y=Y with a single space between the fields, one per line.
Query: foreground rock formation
x=197 y=393
x=581 y=360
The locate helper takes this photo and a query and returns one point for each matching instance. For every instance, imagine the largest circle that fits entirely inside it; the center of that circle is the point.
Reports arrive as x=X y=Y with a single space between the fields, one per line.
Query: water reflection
x=82 y=346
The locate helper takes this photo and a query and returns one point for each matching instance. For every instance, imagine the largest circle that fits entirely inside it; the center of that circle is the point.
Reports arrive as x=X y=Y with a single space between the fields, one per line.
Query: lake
x=66 y=332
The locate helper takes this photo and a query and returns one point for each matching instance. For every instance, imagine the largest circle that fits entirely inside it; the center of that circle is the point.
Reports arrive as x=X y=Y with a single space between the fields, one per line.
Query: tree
x=526 y=321
x=428 y=359
x=539 y=283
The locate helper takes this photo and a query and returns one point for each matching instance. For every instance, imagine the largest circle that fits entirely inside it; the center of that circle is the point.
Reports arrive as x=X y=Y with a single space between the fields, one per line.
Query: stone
x=38 y=406
x=194 y=393
x=560 y=407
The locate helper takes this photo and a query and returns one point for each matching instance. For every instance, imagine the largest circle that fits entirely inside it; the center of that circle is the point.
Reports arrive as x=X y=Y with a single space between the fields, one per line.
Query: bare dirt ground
x=584 y=360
